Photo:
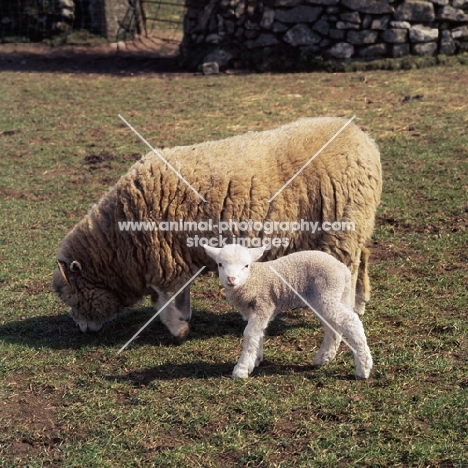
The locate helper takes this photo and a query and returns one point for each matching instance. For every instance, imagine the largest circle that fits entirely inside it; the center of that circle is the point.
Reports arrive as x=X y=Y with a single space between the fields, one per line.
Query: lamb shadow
x=204 y=370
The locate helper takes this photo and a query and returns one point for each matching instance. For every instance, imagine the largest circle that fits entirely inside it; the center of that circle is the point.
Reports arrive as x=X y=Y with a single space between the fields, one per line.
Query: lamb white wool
x=261 y=290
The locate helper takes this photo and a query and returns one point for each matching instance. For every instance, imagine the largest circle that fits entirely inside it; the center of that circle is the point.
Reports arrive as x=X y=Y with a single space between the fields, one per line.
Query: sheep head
x=234 y=263
x=91 y=303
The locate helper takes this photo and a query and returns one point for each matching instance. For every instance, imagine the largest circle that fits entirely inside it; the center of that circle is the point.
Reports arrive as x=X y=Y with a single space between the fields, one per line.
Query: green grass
x=67 y=399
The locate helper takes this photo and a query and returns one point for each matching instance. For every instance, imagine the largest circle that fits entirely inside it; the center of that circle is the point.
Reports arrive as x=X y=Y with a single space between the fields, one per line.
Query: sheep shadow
x=59 y=331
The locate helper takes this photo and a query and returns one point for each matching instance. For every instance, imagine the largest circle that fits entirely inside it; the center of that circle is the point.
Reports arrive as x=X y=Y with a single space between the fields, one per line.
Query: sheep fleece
x=237 y=176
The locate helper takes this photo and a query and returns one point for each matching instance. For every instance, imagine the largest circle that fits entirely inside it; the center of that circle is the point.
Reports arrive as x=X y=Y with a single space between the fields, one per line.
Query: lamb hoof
x=239 y=373
x=322 y=360
x=362 y=375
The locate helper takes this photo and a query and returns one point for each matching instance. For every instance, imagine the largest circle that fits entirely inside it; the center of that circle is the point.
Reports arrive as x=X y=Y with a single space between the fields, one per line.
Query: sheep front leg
x=252 y=348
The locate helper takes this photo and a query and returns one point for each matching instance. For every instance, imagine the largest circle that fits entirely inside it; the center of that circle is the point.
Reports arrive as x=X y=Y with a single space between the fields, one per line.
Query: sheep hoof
x=360 y=308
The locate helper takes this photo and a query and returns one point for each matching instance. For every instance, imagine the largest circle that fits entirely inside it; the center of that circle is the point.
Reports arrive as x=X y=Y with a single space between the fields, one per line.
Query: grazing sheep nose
x=231 y=280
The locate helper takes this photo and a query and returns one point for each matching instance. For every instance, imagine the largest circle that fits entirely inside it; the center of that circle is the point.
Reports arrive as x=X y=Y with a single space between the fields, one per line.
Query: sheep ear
x=62 y=266
x=75 y=266
x=212 y=252
x=256 y=253
x=154 y=288
x=162 y=296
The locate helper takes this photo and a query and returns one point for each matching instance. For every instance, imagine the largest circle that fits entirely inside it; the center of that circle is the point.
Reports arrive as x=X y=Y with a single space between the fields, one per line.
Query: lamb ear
x=212 y=252
x=256 y=252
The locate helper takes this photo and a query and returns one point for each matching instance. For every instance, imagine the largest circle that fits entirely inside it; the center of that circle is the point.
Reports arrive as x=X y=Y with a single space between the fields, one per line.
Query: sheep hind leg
x=362 y=283
x=351 y=327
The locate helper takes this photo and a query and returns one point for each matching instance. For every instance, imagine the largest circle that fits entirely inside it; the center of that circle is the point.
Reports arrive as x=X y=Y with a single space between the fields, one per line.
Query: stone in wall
x=337 y=34
x=400 y=24
x=420 y=33
x=362 y=37
x=263 y=40
x=220 y=56
x=427 y=48
x=279 y=27
x=322 y=26
x=395 y=36
x=379 y=7
x=415 y=10
x=299 y=14
x=342 y=50
x=353 y=17
x=460 y=33
x=297 y=30
x=268 y=18
x=374 y=51
x=449 y=13
x=287 y=3
x=324 y=2
x=300 y=35
x=380 y=23
x=447 y=44
x=400 y=50
x=345 y=25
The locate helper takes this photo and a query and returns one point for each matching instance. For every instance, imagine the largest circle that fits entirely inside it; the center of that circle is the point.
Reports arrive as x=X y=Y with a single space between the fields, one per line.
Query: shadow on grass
x=118 y=64
x=60 y=332
x=205 y=370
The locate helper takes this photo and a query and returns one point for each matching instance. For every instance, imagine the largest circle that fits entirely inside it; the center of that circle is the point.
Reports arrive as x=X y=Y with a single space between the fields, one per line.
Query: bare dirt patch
x=156 y=53
x=29 y=422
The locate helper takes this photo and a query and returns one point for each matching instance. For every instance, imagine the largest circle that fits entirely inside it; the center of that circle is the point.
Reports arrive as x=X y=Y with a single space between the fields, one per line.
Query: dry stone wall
x=230 y=33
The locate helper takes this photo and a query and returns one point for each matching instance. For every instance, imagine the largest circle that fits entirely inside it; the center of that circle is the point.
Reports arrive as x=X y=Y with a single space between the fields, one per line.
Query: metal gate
x=163 y=16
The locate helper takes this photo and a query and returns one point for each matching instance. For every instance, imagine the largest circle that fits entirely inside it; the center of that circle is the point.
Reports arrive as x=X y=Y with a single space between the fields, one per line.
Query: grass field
x=67 y=399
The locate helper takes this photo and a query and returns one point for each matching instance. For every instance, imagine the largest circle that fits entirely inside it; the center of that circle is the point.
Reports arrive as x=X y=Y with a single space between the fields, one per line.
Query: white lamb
x=261 y=290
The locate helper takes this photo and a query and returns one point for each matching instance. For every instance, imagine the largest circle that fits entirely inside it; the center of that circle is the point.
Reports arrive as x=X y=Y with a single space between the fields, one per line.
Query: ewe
x=261 y=290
